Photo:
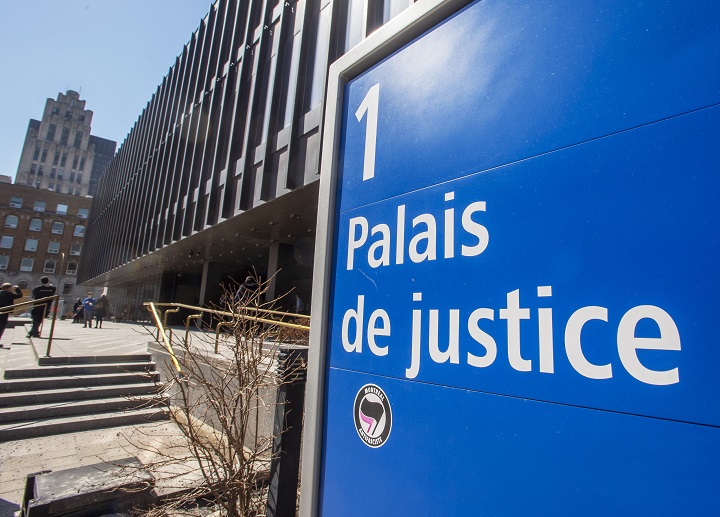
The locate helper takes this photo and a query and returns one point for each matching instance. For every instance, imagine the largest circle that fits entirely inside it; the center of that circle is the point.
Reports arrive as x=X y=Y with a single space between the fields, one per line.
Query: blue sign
x=524 y=296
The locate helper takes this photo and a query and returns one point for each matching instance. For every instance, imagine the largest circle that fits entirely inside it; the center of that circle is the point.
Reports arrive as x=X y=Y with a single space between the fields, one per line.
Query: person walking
x=7 y=298
x=88 y=308
x=101 y=308
x=77 y=311
x=44 y=290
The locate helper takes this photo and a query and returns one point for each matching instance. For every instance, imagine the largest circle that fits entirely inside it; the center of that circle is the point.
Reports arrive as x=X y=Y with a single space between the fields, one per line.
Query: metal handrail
x=202 y=310
x=32 y=303
x=245 y=308
x=161 y=332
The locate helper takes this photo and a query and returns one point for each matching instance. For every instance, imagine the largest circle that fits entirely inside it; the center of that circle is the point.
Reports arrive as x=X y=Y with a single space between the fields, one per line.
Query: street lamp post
x=60 y=273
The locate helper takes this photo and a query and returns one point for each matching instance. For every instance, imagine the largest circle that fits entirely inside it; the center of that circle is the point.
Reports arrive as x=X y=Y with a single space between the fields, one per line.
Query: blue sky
x=115 y=52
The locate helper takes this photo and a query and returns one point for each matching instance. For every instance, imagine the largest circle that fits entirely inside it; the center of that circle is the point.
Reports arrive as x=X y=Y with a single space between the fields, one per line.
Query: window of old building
x=49 y=266
x=53 y=247
x=27 y=264
x=6 y=241
x=58 y=227
x=11 y=221
x=35 y=224
x=31 y=244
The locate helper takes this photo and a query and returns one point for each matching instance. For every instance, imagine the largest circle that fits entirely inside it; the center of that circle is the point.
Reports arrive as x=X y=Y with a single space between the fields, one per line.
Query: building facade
x=59 y=153
x=218 y=177
x=42 y=234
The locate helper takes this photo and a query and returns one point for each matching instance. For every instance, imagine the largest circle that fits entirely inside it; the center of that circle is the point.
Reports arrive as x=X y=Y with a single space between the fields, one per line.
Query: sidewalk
x=22 y=457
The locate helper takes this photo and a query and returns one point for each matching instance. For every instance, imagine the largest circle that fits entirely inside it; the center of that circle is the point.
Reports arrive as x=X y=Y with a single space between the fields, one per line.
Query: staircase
x=70 y=394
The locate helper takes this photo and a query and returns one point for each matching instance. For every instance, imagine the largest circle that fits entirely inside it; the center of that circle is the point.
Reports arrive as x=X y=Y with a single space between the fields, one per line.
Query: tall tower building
x=59 y=153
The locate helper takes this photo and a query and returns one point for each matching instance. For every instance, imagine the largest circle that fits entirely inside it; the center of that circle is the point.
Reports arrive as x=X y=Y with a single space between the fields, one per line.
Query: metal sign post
x=517 y=265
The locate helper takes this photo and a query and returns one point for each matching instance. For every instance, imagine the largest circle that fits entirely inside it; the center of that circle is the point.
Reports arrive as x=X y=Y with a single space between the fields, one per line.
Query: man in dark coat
x=39 y=311
x=7 y=298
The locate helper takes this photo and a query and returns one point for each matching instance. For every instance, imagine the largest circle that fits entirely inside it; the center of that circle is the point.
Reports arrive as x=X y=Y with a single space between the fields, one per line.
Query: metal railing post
x=52 y=324
x=187 y=326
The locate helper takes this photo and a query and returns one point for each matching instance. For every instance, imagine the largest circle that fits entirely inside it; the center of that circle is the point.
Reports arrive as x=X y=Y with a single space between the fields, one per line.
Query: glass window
x=56 y=159
x=61 y=209
x=320 y=61
x=67 y=288
x=4 y=259
x=51 y=133
x=49 y=266
x=35 y=224
x=79 y=230
x=83 y=213
x=16 y=202
x=64 y=136
x=23 y=284
x=354 y=32
x=11 y=221
x=75 y=249
x=53 y=247
x=31 y=244
x=39 y=206
x=27 y=264
x=6 y=242
x=78 y=139
x=72 y=268
x=58 y=228
x=82 y=165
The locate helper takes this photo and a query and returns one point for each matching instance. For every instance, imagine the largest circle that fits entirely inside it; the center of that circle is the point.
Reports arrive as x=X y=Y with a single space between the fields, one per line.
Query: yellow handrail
x=187 y=325
x=246 y=308
x=201 y=310
x=12 y=308
x=161 y=332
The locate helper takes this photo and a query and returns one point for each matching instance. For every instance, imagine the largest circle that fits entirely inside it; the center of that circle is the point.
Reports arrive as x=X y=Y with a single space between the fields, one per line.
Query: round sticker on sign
x=373 y=417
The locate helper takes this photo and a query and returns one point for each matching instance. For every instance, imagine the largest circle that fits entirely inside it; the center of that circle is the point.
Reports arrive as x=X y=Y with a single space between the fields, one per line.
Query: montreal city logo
x=373 y=417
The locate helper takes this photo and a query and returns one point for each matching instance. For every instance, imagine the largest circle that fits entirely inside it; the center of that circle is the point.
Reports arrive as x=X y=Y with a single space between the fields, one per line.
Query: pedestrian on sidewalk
x=77 y=311
x=88 y=308
x=8 y=294
x=39 y=311
x=101 y=308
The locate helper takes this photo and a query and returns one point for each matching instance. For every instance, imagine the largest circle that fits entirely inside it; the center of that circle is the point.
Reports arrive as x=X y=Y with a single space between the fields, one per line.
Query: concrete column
x=272 y=267
x=204 y=282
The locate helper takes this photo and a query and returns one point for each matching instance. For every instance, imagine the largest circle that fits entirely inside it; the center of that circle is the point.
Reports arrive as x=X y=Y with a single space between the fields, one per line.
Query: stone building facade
x=42 y=234
x=59 y=153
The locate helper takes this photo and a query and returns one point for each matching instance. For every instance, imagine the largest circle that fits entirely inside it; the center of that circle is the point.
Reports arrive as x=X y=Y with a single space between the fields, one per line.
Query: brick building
x=59 y=153
x=42 y=233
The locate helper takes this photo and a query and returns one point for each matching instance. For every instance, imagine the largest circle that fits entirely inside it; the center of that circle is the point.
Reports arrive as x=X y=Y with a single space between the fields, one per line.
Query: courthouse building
x=219 y=175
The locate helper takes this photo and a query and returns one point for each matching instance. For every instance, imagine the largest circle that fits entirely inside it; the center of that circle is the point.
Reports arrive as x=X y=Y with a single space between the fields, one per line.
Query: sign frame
x=391 y=37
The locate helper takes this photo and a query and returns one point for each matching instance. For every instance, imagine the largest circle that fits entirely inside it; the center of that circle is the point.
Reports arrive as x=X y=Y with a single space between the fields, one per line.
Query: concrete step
x=47 y=427
x=77 y=381
x=94 y=359
x=80 y=369
x=21 y=398
x=78 y=407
